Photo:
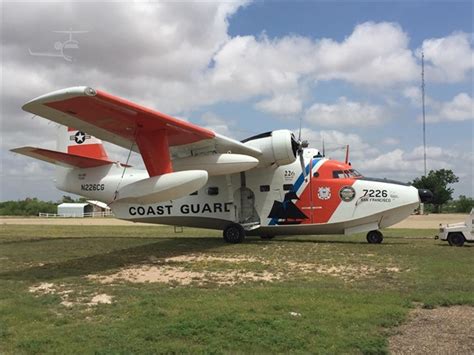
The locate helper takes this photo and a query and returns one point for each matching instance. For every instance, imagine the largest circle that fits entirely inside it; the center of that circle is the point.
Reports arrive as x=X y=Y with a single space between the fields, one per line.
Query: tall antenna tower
x=423 y=106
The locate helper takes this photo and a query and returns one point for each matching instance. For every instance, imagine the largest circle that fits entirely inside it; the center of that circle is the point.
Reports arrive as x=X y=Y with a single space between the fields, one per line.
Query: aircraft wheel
x=456 y=239
x=267 y=237
x=234 y=233
x=374 y=237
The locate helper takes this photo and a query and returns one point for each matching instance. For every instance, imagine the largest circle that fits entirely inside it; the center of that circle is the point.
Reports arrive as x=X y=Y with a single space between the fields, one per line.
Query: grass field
x=326 y=294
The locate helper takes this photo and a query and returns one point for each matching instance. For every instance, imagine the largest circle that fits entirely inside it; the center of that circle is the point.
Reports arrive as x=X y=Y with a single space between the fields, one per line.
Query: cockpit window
x=354 y=173
x=345 y=174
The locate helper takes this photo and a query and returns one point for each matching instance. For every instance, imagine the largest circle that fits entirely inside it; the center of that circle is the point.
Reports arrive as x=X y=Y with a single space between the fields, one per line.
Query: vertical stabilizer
x=77 y=142
x=73 y=141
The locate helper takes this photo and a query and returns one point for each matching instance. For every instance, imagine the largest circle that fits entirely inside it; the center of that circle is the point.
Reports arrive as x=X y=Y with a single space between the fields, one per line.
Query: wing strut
x=155 y=152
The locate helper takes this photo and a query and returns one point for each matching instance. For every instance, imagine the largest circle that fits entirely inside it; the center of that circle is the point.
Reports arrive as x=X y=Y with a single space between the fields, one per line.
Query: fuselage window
x=316 y=174
x=288 y=187
x=212 y=191
x=264 y=188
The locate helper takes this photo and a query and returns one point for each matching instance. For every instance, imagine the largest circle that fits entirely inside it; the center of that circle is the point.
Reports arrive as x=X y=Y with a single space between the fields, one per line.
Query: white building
x=85 y=209
x=75 y=209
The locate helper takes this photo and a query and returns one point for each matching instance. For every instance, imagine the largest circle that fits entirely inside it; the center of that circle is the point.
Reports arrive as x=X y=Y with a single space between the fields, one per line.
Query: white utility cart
x=458 y=233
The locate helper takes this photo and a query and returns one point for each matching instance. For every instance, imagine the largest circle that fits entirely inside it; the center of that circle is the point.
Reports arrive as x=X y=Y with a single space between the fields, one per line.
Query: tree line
x=33 y=206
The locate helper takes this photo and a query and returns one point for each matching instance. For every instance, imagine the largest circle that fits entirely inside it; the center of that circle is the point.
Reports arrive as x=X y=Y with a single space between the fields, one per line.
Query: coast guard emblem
x=324 y=193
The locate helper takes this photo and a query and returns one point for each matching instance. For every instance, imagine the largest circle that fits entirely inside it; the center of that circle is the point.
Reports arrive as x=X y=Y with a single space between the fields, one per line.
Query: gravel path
x=445 y=330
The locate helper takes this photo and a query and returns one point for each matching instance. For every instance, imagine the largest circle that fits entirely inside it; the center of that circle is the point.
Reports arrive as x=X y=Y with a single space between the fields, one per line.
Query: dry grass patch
x=66 y=295
x=201 y=269
x=176 y=275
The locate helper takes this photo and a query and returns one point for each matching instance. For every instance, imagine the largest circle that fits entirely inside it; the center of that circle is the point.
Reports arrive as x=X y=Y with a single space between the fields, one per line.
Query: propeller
x=298 y=148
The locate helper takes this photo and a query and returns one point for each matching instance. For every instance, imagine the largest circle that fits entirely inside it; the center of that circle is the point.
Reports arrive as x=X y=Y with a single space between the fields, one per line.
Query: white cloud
x=247 y=66
x=374 y=54
x=460 y=108
x=413 y=93
x=347 y=113
x=335 y=143
x=391 y=141
x=218 y=124
x=282 y=105
x=449 y=59
x=402 y=163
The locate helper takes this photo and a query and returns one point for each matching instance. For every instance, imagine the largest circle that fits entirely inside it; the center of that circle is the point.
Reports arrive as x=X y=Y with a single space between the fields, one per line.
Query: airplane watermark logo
x=60 y=47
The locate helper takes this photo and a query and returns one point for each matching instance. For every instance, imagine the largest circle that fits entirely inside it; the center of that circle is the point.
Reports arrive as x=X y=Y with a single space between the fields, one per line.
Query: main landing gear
x=234 y=233
x=374 y=237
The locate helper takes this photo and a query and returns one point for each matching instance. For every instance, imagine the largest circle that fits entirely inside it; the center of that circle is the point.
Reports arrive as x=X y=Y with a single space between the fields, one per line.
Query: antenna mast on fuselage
x=423 y=107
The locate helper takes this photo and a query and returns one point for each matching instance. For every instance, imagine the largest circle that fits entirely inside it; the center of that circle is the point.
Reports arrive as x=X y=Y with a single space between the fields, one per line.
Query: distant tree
x=26 y=207
x=437 y=182
x=464 y=204
x=67 y=199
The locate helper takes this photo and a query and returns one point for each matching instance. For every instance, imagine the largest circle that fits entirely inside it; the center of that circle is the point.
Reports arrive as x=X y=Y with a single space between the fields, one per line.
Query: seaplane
x=271 y=184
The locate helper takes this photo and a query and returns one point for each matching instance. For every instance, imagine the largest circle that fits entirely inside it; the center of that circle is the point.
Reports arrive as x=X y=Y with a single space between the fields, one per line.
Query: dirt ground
x=176 y=270
x=446 y=330
x=431 y=221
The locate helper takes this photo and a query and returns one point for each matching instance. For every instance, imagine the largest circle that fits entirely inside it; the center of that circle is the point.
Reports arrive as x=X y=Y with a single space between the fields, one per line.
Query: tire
x=374 y=237
x=234 y=233
x=266 y=237
x=456 y=239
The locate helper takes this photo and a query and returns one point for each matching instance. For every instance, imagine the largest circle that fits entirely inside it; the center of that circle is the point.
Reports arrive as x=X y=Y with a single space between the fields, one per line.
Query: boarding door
x=245 y=198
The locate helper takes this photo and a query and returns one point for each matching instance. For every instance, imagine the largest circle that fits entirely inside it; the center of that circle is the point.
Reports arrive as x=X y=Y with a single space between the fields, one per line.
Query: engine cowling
x=278 y=147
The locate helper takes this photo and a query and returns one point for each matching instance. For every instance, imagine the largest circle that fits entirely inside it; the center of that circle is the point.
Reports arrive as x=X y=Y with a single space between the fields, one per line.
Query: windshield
x=345 y=174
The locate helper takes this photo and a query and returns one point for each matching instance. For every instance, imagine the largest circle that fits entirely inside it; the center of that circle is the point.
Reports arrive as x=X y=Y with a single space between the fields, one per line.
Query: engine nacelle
x=217 y=164
x=277 y=147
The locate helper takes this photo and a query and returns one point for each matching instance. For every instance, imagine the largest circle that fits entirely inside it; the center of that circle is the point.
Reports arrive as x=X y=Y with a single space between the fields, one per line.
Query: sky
x=349 y=71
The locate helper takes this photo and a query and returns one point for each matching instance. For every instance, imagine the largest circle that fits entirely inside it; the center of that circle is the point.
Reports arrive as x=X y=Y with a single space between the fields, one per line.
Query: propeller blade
x=299 y=134
x=303 y=167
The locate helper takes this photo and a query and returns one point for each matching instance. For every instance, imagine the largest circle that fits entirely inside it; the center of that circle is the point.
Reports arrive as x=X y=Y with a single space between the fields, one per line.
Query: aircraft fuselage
x=329 y=199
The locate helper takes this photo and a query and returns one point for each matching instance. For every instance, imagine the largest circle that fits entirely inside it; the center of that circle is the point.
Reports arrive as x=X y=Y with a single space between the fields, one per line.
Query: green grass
x=338 y=315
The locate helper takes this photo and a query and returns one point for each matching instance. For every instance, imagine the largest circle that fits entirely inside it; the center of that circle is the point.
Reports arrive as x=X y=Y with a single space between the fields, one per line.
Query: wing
x=63 y=159
x=156 y=136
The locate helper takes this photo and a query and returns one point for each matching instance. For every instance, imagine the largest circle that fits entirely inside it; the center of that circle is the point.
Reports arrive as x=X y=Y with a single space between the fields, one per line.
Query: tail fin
x=73 y=141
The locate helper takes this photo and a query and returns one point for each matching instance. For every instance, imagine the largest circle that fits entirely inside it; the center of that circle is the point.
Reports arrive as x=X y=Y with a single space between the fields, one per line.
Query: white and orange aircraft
x=267 y=185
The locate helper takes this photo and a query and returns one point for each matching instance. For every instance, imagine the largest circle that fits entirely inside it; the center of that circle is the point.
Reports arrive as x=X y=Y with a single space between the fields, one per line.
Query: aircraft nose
x=425 y=195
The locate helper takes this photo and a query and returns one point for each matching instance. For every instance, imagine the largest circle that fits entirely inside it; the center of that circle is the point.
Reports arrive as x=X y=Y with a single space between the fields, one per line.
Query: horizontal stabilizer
x=62 y=159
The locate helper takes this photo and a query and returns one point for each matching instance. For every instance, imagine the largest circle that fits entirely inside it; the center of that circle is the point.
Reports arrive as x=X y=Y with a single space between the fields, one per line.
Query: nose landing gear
x=374 y=237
